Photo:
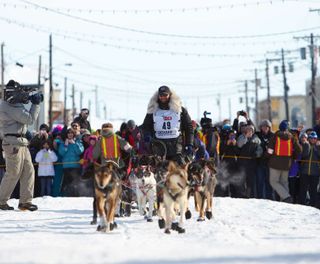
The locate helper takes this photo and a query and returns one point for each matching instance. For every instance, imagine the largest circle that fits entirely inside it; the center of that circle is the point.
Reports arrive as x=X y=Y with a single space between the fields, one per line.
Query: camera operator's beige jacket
x=14 y=119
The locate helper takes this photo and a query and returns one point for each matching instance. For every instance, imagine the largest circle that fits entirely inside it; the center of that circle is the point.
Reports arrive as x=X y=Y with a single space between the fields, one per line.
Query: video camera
x=15 y=93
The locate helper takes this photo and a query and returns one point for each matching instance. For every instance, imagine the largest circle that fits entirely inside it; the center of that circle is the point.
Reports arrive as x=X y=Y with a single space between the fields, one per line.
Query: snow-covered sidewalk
x=242 y=231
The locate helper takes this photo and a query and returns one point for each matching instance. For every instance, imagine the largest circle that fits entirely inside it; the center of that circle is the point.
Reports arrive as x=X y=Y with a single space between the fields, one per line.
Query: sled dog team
x=160 y=182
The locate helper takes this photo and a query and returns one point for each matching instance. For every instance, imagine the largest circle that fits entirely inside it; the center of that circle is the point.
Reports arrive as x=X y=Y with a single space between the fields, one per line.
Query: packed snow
x=242 y=231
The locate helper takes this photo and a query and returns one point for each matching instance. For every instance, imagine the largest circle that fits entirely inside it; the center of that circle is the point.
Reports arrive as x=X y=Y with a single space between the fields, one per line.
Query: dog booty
x=188 y=214
x=181 y=230
x=209 y=214
x=174 y=226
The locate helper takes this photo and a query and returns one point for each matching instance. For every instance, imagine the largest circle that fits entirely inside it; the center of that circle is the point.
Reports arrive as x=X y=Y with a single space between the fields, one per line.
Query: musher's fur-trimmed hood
x=175 y=103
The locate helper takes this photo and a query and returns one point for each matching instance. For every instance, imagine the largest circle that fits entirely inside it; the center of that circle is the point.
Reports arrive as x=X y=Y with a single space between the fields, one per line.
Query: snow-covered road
x=242 y=231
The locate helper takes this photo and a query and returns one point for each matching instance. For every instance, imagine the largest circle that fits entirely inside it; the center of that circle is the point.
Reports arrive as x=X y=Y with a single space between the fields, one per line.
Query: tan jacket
x=14 y=119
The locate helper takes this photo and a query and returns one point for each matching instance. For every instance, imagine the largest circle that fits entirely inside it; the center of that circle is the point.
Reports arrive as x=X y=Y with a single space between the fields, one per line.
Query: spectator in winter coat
x=249 y=150
x=283 y=148
x=168 y=122
x=58 y=168
x=294 y=171
x=36 y=144
x=45 y=158
x=88 y=154
x=317 y=128
x=228 y=171
x=210 y=137
x=2 y=162
x=310 y=169
x=237 y=124
x=198 y=145
x=82 y=119
x=264 y=189
x=70 y=152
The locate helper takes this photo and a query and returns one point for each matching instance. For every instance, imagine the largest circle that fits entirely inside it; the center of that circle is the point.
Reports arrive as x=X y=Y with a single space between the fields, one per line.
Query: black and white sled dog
x=145 y=187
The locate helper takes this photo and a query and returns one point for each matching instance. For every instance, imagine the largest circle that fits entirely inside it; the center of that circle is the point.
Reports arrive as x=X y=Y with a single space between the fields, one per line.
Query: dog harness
x=108 y=188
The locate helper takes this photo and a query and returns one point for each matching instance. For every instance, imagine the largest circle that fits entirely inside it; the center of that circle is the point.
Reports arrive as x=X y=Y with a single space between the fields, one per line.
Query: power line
x=163 y=34
x=152 y=41
x=160 y=11
x=105 y=44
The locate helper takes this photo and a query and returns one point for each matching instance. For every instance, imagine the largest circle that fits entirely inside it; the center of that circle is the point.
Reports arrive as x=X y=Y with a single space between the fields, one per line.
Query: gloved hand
x=147 y=138
x=36 y=98
x=132 y=153
x=189 y=150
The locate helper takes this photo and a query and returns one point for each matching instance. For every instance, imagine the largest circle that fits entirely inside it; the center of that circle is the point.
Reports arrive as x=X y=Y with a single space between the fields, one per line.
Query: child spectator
x=45 y=157
x=87 y=157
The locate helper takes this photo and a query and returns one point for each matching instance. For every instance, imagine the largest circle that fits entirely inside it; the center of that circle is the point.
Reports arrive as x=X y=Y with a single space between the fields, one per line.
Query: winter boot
x=128 y=210
x=6 y=207
x=27 y=206
x=288 y=200
x=161 y=223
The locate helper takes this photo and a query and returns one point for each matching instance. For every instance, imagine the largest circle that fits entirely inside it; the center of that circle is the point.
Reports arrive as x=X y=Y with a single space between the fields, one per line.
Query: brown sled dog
x=175 y=192
x=108 y=190
x=202 y=175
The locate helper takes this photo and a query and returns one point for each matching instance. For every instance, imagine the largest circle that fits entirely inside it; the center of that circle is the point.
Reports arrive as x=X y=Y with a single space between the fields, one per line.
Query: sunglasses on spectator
x=163 y=95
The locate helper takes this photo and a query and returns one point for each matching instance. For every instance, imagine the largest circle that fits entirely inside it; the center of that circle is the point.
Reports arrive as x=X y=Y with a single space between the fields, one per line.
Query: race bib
x=166 y=124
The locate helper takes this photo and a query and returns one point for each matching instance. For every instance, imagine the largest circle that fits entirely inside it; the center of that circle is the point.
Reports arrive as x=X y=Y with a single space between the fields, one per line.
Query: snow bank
x=242 y=231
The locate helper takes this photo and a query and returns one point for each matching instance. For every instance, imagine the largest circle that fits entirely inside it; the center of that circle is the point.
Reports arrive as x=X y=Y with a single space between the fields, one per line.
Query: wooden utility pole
x=65 y=100
x=257 y=85
x=268 y=92
x=285 y=85
x=81 y=99
x=73 y=103
x=2 y=70
x=312 y=92
x=246 y=96
x=50 y=82
x=39 y=84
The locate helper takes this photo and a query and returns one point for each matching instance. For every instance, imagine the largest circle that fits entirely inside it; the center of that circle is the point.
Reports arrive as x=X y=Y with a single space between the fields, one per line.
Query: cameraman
x=14 y=119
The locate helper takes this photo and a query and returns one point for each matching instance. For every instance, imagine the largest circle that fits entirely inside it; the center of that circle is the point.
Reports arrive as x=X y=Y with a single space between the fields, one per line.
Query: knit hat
x=44 y=127
x=313 y=135
x=265 y=122
x=250 y=127
x=303 y=135
x=226 y=127
x=284 y=125
x=131 y=124
x=164 y=90
x=93 y=137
